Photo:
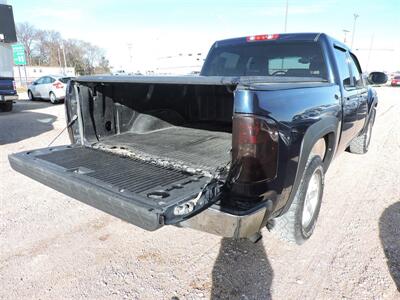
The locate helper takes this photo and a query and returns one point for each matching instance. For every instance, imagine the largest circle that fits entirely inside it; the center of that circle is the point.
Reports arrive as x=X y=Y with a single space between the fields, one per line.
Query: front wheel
x=360 y=144
x=53 y=98
x=298 y=223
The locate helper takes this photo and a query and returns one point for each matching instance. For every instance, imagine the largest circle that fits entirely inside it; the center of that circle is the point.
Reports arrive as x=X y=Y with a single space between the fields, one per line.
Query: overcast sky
x=158 y=28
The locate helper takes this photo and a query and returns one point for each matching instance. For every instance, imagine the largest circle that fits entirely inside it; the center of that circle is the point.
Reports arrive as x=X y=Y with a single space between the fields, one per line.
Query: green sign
x=19 y=54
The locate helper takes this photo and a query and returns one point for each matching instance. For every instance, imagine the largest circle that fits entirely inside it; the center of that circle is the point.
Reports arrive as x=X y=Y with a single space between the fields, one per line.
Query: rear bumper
x=225 y=224
x=60 y=93
x=4 y=98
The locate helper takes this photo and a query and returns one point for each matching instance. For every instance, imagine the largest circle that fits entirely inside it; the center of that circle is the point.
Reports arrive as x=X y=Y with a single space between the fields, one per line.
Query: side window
x=40 y=80
x=47 y=80
x=51 y=80
x=356 y=71
x=343 y=67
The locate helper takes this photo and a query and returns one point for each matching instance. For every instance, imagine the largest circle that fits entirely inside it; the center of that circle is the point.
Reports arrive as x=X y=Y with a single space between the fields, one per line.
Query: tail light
x=254 y=149
x=58 y=85
x=262 y=37
x=14 y=85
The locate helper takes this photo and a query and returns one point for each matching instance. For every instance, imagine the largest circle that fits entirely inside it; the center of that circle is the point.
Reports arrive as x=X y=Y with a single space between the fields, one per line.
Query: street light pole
x=354 y=29
x=286 y=15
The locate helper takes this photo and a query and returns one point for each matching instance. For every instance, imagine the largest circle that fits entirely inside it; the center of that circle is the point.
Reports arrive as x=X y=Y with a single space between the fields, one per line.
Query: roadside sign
x=19 y=55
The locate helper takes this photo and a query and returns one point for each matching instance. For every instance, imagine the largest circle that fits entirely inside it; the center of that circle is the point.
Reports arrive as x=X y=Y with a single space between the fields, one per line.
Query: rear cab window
x=271 y=58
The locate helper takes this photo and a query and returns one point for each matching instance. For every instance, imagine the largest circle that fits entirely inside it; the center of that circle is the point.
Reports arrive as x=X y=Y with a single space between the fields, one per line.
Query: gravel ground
x=55 y=247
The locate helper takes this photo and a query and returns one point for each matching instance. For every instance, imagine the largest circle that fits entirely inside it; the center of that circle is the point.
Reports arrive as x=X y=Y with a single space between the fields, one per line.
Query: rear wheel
x=360 y=144
x=53 y=98
x=298 y=223
x=6 y=106
x=30 y=95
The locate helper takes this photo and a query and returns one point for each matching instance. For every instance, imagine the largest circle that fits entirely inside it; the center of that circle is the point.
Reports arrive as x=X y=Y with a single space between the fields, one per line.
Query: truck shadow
x=21 y=123
x=389 y=233
x=241 y=271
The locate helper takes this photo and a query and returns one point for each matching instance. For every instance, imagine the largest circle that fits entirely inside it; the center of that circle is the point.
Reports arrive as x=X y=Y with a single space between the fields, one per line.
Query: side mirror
x=377 y=78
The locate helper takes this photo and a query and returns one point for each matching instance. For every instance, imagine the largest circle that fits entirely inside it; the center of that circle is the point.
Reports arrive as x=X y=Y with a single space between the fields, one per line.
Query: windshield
x=289 y=59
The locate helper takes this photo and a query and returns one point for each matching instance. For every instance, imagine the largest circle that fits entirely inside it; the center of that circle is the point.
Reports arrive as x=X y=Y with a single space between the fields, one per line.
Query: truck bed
x=189 y=147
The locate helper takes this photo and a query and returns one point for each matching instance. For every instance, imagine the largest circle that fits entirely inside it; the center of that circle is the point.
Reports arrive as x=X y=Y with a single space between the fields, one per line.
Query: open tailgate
x=139 y=192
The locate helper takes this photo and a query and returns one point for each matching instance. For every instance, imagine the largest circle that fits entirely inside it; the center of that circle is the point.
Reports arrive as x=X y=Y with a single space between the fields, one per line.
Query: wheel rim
x=52 y=98
x=30 y=95
x=311 y=199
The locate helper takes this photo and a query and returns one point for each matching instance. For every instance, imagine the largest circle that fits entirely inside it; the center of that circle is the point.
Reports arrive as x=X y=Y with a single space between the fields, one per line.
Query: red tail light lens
x=58 y=85
x=254 y=149
x=262 y=37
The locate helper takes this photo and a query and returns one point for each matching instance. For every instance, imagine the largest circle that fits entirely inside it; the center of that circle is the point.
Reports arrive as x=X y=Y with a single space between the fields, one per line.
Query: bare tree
x=43 y=47
x=27 y=34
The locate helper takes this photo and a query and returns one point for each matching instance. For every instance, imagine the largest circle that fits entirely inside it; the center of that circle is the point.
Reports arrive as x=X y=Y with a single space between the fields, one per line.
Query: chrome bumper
x=227 y=225
x=8 y=97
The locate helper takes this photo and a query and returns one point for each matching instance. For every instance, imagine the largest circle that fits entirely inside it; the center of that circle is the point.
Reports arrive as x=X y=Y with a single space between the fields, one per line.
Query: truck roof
x=303 y=36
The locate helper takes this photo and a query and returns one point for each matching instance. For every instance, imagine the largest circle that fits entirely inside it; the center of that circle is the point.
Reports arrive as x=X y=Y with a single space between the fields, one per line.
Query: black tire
x=6 y=106
x=53 y=98
x=360 y=144
x=30 y=95
x=289 y=226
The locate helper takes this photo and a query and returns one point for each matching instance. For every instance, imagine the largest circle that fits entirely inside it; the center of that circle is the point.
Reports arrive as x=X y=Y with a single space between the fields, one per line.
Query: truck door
x=350 y=95
x=362 y=108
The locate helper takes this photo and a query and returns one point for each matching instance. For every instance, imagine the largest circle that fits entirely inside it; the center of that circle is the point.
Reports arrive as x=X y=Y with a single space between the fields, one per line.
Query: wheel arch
x=324 y=131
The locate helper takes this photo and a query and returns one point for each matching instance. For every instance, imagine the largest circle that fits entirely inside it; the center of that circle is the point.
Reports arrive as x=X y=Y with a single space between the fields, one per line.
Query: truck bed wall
x=117 y=108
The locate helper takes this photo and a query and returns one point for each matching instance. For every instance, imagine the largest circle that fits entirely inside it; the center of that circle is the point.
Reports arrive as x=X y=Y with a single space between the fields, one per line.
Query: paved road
x=55 y=247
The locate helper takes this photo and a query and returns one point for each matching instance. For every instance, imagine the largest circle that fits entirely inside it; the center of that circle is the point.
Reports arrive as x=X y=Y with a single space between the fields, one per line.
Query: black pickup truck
x=242 y=146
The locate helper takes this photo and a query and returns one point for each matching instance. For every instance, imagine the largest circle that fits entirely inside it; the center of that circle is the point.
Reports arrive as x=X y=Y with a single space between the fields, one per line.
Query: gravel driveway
x=53 y=247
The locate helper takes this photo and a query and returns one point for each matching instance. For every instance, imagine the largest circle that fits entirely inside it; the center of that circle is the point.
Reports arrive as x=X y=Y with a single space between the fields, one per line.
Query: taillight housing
x=14 y=85
x=262 y=37
x=254 y=149
x=58 y=85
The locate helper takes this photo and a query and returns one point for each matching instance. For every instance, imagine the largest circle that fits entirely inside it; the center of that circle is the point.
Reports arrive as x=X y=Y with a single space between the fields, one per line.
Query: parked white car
x=50 y=87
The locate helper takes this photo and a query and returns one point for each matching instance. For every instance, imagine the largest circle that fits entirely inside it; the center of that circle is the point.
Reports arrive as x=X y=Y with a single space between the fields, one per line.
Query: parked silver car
x=50 y=87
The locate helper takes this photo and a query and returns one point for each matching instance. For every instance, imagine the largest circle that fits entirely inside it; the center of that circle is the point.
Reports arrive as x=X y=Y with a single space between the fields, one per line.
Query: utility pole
x=369 y=51
x=65 y=60
x=130 y=56
x=59 y=57
x=345 y=35
x=355 y=16
x=286 y=15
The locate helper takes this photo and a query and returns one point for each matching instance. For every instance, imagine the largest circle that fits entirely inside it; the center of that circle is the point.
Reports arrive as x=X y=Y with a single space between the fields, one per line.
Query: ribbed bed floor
x=194 y=147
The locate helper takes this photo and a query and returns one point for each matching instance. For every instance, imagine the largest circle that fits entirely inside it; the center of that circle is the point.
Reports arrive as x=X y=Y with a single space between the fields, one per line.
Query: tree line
x=47 y=48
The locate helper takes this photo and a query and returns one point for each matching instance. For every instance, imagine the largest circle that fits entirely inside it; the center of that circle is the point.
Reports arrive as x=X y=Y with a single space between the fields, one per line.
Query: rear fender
x=327 y=126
